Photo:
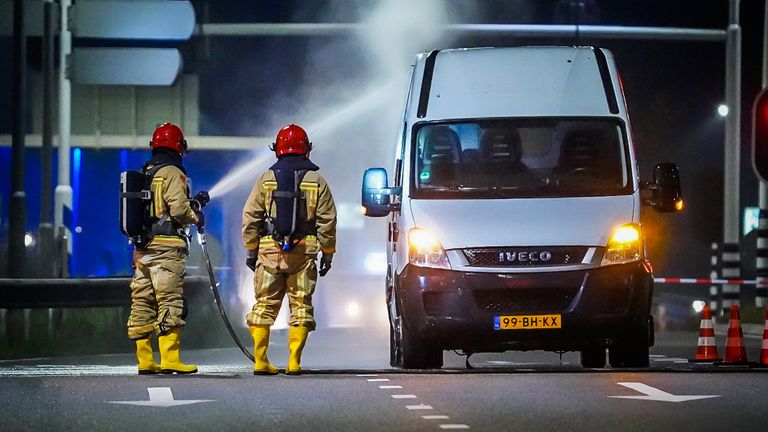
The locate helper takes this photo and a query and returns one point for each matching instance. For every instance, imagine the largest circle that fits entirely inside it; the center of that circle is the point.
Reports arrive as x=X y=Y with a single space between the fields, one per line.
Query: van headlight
x=625 y=245
x=424 y=250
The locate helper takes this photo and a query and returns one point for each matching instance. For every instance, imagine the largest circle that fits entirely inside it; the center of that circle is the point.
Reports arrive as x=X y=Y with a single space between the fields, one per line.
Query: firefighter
x=157 y=305
x=288 y=219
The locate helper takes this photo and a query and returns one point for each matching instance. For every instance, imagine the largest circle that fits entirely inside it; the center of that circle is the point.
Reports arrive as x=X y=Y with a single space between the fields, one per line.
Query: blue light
x=123 y=160
x=375 y=178
x=76 y=165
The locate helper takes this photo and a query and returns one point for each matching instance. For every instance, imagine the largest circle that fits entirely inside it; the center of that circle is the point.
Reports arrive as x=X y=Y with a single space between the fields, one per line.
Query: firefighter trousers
x=280 y=273
x=157 y=304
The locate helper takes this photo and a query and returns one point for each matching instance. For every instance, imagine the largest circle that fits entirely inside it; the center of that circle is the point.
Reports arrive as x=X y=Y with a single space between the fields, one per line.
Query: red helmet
x=291 y=139
x=169 y=135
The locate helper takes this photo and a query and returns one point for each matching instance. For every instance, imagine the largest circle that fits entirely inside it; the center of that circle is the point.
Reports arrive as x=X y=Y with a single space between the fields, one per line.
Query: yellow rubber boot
x=261 y=365
x=297 y=338
x=170 y=346
x=146 y=358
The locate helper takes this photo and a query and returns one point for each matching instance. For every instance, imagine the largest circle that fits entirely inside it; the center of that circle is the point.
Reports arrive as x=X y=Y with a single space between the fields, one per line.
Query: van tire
x=415 y=353
x=394 y=357
x=633 y=351
x=629 y=356
x=593 y=358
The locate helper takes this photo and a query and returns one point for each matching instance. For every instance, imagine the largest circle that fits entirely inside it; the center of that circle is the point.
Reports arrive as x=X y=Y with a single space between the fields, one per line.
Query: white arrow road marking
x=161 y=397
x=654 y=394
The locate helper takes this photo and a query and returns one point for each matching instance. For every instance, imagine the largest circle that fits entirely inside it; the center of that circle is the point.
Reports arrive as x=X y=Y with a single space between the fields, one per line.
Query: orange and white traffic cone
x=735 y=353
x=764 y=349
x=706 y=351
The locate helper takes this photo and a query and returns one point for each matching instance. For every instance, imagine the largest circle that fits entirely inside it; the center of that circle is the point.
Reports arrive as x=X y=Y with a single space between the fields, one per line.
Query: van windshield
x=521 y=158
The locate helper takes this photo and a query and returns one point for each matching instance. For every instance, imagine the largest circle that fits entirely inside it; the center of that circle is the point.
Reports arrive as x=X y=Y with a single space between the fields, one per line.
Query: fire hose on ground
x=201 y=238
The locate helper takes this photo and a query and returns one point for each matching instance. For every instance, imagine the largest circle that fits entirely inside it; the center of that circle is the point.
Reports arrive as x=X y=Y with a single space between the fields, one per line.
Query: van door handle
x=394 y=232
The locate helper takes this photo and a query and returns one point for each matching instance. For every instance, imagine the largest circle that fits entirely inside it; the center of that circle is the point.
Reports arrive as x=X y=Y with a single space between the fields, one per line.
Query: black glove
x=250 y=260
x=325 y=263
x=200 y=219
x=200 y=200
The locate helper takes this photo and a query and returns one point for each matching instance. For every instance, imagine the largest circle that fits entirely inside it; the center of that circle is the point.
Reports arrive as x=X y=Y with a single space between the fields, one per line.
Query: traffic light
x=760 y=135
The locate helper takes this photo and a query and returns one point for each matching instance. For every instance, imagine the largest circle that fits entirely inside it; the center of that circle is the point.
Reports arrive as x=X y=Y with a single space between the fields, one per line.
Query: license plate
x=527 y=322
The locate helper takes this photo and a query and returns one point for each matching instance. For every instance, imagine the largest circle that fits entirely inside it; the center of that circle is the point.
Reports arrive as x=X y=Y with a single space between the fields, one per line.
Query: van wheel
x=627 y=355
x=394 y=349
x=631 y=352
x=593 y=358
x=415 y=353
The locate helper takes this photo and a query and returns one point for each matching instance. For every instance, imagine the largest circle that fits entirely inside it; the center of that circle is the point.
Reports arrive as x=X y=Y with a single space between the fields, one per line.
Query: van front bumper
x=456 y=310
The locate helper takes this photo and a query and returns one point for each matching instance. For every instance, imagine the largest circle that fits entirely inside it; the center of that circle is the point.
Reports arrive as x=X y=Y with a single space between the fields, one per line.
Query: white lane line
x=403 y=396
x=676 y=360
x=367 y=375
x=390 y=387
x=435 y=417
x=418 y=407
x=454 y=426
x=377 y=379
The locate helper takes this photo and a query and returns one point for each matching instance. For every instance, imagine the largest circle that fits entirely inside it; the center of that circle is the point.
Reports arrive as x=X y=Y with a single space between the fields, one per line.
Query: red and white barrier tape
x=704 y=281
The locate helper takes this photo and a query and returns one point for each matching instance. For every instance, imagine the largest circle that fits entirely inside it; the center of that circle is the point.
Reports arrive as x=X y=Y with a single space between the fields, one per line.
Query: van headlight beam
x=424 y=250
x=624 y=246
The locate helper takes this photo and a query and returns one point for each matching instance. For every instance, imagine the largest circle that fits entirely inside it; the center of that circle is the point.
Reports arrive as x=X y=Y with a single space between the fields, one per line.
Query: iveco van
x=514 y=217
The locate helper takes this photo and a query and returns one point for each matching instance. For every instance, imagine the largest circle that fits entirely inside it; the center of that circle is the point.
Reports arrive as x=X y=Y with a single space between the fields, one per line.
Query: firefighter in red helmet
x=157 y=304
x=288 y=219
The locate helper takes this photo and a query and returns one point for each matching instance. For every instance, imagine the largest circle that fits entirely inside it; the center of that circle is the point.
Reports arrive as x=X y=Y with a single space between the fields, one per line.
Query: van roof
x=522 y=81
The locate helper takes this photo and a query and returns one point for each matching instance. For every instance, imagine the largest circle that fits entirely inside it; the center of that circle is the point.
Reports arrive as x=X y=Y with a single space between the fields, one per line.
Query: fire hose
x=201 y=238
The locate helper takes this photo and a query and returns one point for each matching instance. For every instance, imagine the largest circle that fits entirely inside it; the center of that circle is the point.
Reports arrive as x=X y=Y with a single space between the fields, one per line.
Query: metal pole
x=45 y=230
x=761 y=290
x=63 y=195
x=731 y=258
x=18 y=209
x=495 y=30
x=714 y=290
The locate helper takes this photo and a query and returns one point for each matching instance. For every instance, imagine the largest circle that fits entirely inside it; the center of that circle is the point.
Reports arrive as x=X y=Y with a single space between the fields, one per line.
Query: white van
x=515 y=210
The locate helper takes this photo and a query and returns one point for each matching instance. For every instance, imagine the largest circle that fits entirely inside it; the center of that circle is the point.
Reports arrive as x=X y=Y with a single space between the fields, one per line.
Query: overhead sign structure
x=126 y=66
x=158 y=20
x=147 y=20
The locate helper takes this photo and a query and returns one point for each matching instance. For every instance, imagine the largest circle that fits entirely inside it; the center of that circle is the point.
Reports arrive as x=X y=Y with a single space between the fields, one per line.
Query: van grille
x=525 y=300
x=525 y=256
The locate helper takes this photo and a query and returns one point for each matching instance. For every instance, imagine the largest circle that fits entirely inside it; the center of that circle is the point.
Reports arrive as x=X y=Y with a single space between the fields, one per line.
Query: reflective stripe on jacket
x=171 y=197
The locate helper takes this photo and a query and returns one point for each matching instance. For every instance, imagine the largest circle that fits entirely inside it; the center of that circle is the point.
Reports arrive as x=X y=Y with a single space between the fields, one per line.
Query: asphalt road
x=349 y=387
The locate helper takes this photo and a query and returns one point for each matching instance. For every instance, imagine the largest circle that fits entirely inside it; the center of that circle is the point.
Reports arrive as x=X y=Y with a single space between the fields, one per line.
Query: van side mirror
x=378 y=199
x=666 y=196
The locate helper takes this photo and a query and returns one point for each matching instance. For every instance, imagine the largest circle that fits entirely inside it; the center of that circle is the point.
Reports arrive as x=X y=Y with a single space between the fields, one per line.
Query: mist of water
x=246 y=173
x=354 y=92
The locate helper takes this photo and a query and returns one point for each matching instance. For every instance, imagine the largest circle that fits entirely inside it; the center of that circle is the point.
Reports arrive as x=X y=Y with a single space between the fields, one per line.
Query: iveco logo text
x=530 y=256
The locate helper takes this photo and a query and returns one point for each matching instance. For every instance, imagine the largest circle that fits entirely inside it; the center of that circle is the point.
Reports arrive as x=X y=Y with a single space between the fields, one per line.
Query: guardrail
x=77 y=293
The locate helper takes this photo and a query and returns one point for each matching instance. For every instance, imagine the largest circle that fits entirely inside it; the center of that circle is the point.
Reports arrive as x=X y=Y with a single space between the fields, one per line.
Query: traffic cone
x=764 y=349
x=706 y=350
x=735 y=353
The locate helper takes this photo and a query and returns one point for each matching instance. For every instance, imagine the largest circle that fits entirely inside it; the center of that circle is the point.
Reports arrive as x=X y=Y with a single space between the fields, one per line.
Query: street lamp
x=722 y=110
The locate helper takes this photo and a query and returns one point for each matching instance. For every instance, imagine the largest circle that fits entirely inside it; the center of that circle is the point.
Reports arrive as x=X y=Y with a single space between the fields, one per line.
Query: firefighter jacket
x=170 y=194
x=319 y=208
